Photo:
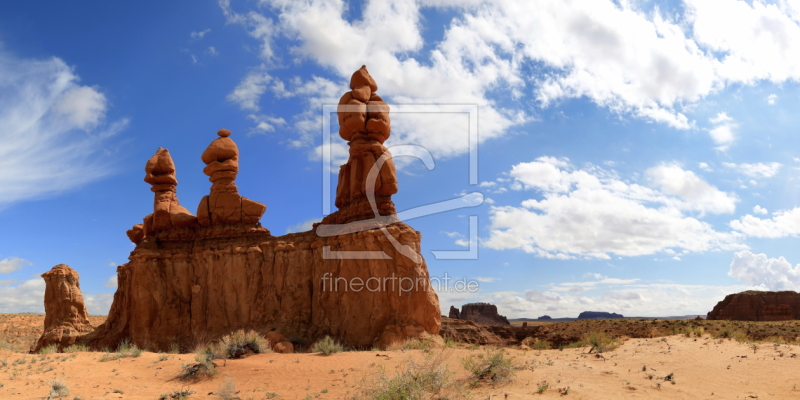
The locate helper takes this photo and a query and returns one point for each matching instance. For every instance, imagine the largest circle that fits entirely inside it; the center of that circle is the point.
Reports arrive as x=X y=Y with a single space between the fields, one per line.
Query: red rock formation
x=483 y=313
x=454 y=313
x=464 y=331
x=364 y=122
x=66 y=317
x=224 y=205
x=188 y=284
x=755 y=305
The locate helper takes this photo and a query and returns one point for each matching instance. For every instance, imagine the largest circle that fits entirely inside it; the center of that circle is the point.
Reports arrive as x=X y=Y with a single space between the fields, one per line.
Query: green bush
x=125 y=349
x=327 y=346
x=241 y=344
x=428 y=379
x=48 y=349
x=204 y=367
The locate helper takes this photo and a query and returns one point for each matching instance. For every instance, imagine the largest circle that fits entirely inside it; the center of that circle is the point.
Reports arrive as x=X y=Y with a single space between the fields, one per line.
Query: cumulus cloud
x=768 y=273
x=53 y=129
x=771 y=99
x=756 y=170
x=12 y=264
x=111 y=282
x=98 y=304
x=783 y=223
x=27 y=296
x=592 y=213
x=760 y=210
x=722 y=132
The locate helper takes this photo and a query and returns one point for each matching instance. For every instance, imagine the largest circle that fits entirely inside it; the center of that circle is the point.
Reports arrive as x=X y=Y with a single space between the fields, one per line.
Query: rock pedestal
x=753 y=305
x=66 y=317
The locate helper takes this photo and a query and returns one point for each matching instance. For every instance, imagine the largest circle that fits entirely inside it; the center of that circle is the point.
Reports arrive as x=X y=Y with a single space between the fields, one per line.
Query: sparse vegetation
x=76 y=348
x=177 y=395
x=58 y=389
x=48 y=349
x=327 y=346
x=491 y=367
x=125 y=349
x=227 y=391
x=241 y=344
x=204 y=368
x=428 y=379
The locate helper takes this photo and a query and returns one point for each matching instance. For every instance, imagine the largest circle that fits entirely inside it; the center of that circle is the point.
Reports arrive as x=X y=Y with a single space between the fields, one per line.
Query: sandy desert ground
x=669 y=367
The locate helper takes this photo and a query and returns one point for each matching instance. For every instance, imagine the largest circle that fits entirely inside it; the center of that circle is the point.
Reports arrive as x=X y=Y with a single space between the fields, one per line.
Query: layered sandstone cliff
x=753 y=305
x=355 y=277
x=66 y=317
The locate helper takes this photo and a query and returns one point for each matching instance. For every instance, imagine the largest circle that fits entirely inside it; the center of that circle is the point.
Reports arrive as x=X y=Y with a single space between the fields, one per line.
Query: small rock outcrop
x=599 y=315
x=754 y=305
x=66 y=317
x=544 y=318
x=482 y=313
x=454 y=313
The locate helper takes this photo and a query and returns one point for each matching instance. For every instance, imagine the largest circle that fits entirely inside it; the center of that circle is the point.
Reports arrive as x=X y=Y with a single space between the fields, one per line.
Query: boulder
x=754 y=305
x=65 y=312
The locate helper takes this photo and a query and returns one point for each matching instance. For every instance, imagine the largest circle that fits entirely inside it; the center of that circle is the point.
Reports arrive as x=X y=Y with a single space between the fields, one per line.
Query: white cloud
x=632 y=61
x=25 y=297
x=783 y=223
x=249 y=91
x=12 y=264
x=760 y=210
x=111 y=282
x=486 y=279
x=757 y=170
x=722 y=133
x=769 y=273
x=303 y=226
x=199 y=34
x=697 y=193
x=590 y=213
x=704 y=166
x=53 y=129
x=98 y=304
x=212 y=51
x=771 y=99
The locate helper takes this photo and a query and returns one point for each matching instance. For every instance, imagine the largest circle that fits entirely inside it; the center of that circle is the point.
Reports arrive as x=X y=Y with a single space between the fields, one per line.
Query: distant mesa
x=544 y=318
x=598 y=315
x=482 y=313
x=754 y=305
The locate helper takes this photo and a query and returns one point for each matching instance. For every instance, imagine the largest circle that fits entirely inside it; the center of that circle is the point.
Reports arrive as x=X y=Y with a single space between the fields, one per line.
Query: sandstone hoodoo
x=192 y=279
x=66 y=317
x=754 y=305
x=482 y=313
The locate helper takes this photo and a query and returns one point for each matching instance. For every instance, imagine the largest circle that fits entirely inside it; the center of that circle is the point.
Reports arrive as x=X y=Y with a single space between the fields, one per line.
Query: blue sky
x=638 y=157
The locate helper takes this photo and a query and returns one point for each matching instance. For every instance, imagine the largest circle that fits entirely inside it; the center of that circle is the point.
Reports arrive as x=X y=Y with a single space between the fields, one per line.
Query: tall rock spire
x=364 y=122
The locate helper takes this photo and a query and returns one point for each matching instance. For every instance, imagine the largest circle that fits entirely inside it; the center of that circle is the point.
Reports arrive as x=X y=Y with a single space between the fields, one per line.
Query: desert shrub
x=204 y=367
x=5 y=345
x=125 y=349
x=427 y=379
x=227 y=391
x=491 y=367
x=412 y=344
x=48 y=349
x=599 y=342
x=327 y=346
x=76 y=348
x=731 y=333
x=241 y=344
x=57 y=389
x=697 y=332
x=538 y=344
x=177 y=395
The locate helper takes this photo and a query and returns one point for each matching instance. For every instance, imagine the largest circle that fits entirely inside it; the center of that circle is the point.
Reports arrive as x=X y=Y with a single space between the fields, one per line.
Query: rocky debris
x=544 y=318
x=186 y=284
x=224 y=205
x=454 y=313
x=482 y=313
x=754 y=305
x=66 y=317
x=364 y=122
x=598 y=315
x=465 y=331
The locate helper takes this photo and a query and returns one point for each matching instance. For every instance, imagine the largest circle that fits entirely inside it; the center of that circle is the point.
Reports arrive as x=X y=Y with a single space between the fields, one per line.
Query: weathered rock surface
x=454 y=313
x=598 y=315
x=188 y=283
x=483 y=313
x=66 y=317
x=753 y=305
x=368 y=180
